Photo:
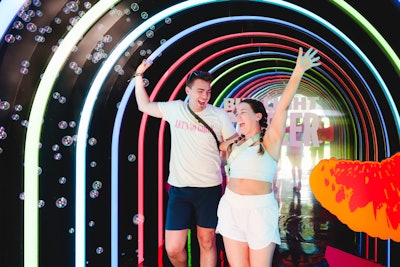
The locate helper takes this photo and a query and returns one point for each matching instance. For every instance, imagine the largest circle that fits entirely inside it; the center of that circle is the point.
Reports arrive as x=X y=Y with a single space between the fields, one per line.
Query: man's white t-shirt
x=194 y=157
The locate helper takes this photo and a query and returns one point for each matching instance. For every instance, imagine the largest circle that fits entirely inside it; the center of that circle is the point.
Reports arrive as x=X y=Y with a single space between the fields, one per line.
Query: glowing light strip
x=31 y=179
x=31 y=124
x=114 y=172
x=370 y=29
x=8 y=9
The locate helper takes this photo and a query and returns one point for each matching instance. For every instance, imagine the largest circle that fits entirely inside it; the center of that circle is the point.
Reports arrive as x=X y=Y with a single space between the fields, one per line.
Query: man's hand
x=143 y=66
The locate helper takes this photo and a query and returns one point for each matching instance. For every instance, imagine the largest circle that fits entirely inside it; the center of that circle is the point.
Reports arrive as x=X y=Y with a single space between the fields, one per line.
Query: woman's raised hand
x=308 y=60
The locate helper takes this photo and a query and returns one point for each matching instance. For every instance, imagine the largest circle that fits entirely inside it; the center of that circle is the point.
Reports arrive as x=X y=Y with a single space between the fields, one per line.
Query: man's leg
x=175 y=243
x=208 y=246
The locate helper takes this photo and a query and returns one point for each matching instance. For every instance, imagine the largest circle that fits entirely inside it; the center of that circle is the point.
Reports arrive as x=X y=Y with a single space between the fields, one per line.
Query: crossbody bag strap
x=239 y=149
x=205 y=124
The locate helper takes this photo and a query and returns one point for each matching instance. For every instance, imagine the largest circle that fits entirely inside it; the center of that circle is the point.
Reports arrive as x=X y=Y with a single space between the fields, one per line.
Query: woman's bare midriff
x=249 y=187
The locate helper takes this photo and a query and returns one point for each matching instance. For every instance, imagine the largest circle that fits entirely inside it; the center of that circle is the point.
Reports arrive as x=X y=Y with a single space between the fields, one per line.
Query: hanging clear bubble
x=42 y=30
x=57 y=156
x=138 y=219
x=150 y=34
x=168 y=20
x=18 y=25
x=57 y=20
x=41 y=203
x=92 y=141
x=107 y=38
x=67 y=140
x=18 y=107
x=127 y=11
x=72 y=124
x=66 y=10
x=4 y=105
x=3 y=135
x=37 y=3
x=73 y=6
x=99 y=250
x=62 y=125
x=78 y=70
x=9 y=38
x=146 y=82
x=62 y=100
x=87 y=5
x=24 y=123
x=97 y=185
x=25 y=17
x=131 y=157
x=56 y=95
x=142 y=52
x=144 y=15
x=15 y=117
x=31 y=13
x=24 y=71
x=62 y=180
x=61 y=202
x=94 y=193
x=135 y=6
x=40 y=38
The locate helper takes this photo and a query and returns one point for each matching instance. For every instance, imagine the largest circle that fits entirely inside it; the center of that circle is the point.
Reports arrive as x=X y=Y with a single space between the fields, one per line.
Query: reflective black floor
x=306 y=228
x=304 y=225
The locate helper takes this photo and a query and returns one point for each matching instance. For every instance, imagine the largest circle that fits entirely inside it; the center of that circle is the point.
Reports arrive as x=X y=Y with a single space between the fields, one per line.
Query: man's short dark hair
x=198 y=74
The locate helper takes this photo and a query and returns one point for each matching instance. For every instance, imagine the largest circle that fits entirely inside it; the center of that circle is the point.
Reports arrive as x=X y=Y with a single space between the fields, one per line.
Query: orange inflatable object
x=363 y=195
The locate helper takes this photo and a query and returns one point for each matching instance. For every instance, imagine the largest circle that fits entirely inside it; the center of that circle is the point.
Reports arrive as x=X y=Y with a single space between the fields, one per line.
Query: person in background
x=248 y=212
x=195 y=165
x=295 y=154
x=318 y=151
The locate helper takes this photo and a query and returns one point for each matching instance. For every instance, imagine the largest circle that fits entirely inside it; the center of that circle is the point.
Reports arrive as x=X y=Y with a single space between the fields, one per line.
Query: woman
x=248 y=211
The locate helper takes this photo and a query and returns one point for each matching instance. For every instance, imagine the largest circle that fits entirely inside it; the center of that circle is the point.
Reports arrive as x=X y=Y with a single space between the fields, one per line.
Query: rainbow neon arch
x=250 y=55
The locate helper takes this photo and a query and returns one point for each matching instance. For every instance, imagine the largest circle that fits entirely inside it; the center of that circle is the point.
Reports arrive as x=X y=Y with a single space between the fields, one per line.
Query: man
x=195 y=164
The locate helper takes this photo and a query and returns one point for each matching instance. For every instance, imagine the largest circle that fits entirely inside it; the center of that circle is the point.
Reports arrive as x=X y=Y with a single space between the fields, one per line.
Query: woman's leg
x=237 y=252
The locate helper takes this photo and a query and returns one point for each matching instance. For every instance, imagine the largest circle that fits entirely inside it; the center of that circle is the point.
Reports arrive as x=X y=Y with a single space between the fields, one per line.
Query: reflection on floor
x=304 y=225
x=306 y=228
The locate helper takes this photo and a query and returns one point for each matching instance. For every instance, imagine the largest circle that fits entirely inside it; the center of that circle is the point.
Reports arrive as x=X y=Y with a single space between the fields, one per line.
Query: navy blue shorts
x=188 y=203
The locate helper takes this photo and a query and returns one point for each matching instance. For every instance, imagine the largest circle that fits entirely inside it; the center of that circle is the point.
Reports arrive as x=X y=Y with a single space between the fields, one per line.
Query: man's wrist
x=138 y=74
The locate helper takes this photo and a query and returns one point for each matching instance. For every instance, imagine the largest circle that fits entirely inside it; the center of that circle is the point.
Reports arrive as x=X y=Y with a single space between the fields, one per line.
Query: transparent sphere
x=138 y=219
x=61 y=202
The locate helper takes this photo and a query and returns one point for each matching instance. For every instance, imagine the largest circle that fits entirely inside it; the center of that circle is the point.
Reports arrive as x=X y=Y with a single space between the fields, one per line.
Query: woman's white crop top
x=249 y=164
